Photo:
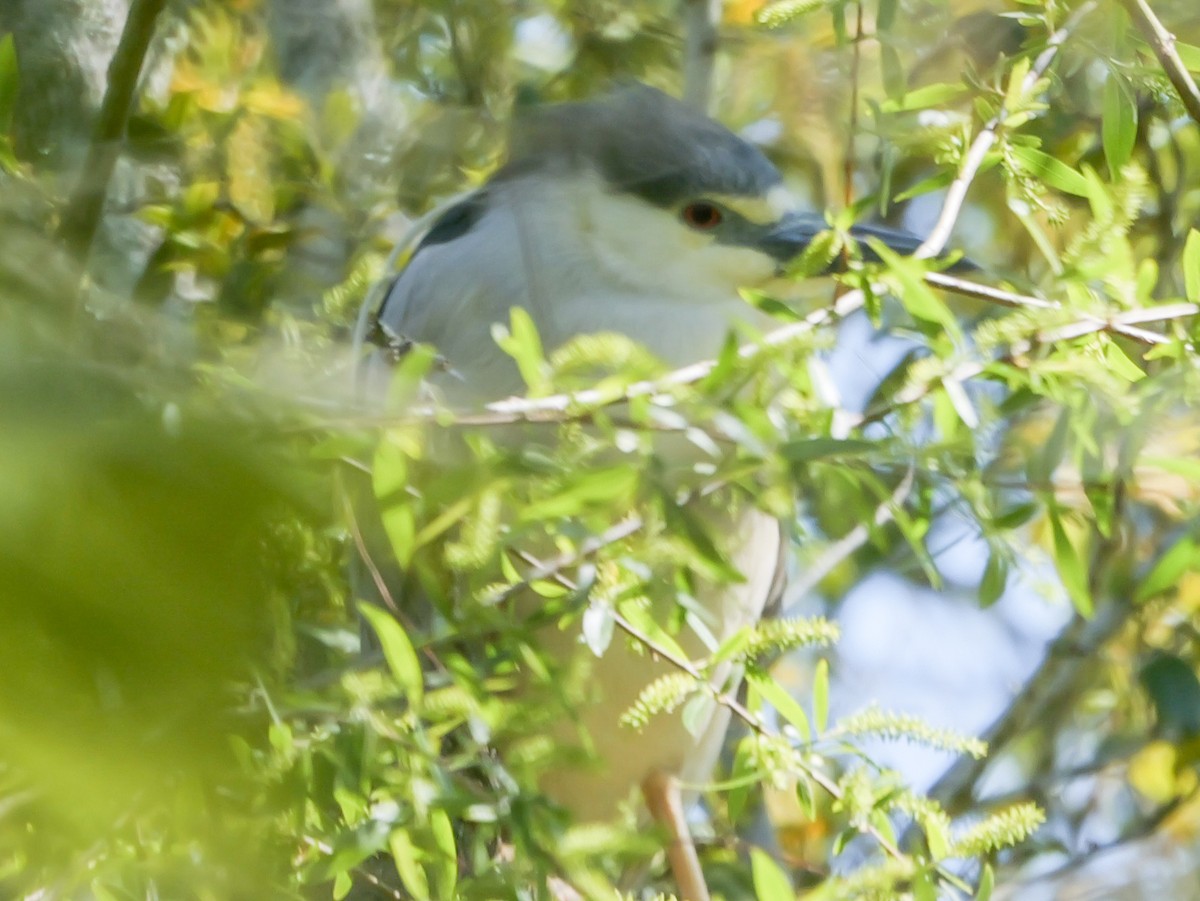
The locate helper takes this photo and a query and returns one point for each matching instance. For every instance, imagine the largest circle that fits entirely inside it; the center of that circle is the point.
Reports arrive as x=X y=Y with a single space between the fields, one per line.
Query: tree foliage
x=186 y=709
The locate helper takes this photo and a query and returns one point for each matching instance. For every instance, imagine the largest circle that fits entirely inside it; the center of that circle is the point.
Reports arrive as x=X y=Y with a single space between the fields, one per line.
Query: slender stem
x=1123 y=323
x=1162 y=42
x=700 y=41
x=81 y=219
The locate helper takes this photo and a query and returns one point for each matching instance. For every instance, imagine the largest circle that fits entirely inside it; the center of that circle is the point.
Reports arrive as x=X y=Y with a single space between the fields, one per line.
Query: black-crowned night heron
x=631 y=214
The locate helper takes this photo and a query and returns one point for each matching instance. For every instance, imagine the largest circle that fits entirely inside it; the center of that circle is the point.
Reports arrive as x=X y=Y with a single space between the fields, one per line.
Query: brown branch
x=81 y=219
x=1162 y=42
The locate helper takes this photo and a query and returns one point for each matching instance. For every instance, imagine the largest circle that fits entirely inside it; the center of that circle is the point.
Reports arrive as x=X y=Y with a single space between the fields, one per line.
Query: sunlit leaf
x=1182 y=556
x=821 y=695
x=1119 y=123
x=1069 y=561
x=785 y=705
x=1191 y=265
x=1053 y=171
x=397 y=650
x=770 y=882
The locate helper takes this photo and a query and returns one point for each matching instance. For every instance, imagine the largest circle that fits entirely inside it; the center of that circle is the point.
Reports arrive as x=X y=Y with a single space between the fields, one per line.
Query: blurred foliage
x=184 y=707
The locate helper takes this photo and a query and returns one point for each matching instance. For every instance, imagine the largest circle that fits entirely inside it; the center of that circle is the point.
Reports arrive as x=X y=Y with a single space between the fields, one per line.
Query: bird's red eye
x=702 y=216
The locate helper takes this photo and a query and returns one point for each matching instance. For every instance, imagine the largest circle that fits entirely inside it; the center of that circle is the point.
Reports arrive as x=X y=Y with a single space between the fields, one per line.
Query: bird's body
x=564 y=238
x=630 y=214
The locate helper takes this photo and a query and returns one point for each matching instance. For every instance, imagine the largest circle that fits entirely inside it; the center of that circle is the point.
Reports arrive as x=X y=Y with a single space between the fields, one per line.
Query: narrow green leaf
x=342 y=883
x=821 y=695
x=922 y=887
x=1053 y=172
x=9 y=80
x=937 y=836
x=1120 y=365
x=995 y=577
x=446 y=874
x=521 y=342
x=780 y=13
x=1015 y=92
x=916 y=296
x=770 y=882
x=742 y=768
x=398 y=651
x=1191 y=265
x=1071 y=568
x=1119 y=123
x=1189 y=55
x=924 y=97
x=818 y=448
x=1183 y=556
x=785 y=705
x=926 y=185
x=987 y=882
x=599 y=486
x=404 y=855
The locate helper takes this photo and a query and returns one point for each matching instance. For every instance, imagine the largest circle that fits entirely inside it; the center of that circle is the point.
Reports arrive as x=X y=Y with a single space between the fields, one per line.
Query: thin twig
x=700 y=19
x=1120 y=324
x=1162 y=42
x=956 y=194
x=81 y=219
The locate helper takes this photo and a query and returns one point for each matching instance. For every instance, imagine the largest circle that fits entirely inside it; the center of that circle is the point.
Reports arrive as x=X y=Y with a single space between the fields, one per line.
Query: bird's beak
x=796 y=231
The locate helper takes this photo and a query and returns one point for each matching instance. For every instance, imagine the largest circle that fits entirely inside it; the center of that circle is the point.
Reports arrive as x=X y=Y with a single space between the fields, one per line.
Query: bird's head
x=665 y=197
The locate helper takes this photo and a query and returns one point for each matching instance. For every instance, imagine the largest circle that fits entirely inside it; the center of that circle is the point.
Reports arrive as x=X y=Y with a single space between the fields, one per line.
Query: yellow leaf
x=249 y=170
x=1152 y=772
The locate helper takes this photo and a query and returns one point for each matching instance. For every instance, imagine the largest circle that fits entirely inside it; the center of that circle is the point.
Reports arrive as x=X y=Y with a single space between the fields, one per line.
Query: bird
x=632 y=213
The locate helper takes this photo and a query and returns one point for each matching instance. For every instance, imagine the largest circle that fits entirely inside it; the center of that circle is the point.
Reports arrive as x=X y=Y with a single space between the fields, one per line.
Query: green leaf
x=9 y=81
x=785 y=705
x=1053 y=172
x=780 y=13
x=821 y=695
x=342 y=883
x=924 y=97
x=922 y=887
x=995 y=577
x=1120 y=365
x=397 y=650
x=739 y=773
x=916 y=296
x=1189 y=55
x=1119 y=123
x=446 y=872
x=938 y=837
x=1191 y=266
x=1015 y=92
x=404 y=855
x=818 y=448
x=770 y=882
x=987 y=882
x=614 y=484
x=1071 y=568
x=1183 y=556
x=926 y=185
x=521 y=342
